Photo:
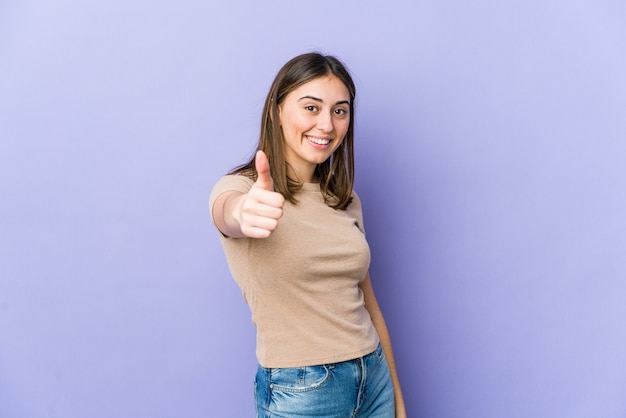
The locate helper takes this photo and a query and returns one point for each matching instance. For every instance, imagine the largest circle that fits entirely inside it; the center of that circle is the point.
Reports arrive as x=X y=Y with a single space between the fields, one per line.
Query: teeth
x=319 y=141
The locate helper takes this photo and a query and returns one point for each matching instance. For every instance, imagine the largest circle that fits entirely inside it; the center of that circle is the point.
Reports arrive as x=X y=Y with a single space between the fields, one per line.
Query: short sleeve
x=355 y=209
x=229 y=183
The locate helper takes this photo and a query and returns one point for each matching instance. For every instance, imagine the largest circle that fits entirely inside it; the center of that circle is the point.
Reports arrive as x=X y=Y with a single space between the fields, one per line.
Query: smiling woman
x=292 y=230
x=295 y=81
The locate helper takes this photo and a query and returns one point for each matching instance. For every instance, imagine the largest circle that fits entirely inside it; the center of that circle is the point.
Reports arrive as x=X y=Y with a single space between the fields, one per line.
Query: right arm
x=254 y=214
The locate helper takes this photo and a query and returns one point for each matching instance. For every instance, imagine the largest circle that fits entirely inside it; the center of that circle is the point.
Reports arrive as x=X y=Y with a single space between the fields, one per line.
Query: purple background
x=491 y=158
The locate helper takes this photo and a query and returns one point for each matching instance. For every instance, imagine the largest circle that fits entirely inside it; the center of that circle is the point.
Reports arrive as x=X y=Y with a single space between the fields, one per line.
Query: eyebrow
x=317 y=99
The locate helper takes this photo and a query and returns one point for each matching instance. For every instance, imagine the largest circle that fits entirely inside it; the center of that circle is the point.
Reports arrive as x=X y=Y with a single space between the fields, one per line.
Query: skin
x=314 y=119
x=371 y=304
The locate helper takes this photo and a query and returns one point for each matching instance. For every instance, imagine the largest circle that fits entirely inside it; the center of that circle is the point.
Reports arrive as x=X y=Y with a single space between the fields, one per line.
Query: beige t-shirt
x=301 y=283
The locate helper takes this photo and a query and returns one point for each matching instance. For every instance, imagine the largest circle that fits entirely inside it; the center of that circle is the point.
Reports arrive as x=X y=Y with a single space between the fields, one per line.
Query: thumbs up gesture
x=261 y=208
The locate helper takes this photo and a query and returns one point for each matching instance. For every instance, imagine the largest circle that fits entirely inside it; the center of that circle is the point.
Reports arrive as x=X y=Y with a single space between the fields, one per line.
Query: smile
x=319 y=141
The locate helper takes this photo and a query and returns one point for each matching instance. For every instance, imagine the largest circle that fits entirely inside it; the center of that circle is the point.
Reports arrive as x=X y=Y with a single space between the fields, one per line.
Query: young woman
x=292 y=230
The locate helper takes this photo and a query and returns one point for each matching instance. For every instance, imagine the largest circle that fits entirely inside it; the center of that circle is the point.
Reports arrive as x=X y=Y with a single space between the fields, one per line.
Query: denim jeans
x=356 y=388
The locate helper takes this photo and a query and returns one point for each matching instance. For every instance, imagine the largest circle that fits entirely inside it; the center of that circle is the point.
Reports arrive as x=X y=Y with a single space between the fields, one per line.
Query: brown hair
x=337 y=173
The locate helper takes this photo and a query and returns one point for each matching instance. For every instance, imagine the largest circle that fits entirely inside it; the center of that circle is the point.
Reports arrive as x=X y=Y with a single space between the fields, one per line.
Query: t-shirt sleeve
x=356 y=210
x=227 y=184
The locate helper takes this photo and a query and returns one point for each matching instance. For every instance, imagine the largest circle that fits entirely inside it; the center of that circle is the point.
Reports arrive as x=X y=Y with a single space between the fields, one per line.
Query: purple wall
x=491 y=163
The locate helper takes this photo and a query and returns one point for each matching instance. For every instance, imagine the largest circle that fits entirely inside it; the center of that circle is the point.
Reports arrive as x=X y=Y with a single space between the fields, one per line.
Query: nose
x=325 y=122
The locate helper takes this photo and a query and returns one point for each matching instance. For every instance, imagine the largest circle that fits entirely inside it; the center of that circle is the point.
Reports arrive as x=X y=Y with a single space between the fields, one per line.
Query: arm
x=381 y=327
x=224 y=209
x=254 y=214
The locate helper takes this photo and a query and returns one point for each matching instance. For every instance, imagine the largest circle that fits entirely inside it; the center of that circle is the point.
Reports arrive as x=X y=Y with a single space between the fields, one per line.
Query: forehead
x=328 y=88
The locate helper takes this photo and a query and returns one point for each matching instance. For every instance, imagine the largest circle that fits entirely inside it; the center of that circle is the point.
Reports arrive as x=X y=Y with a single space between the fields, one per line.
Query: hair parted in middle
x=336 y=174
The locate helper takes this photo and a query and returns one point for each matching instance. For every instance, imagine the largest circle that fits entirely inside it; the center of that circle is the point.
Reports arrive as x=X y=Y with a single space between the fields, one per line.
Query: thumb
x=264 y=179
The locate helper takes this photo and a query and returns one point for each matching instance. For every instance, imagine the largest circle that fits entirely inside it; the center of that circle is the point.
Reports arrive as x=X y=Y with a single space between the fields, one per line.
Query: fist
x=261 y=207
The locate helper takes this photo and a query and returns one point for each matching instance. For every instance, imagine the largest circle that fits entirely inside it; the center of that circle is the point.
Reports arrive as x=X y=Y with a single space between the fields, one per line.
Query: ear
x=279 y=111
x=271 y=113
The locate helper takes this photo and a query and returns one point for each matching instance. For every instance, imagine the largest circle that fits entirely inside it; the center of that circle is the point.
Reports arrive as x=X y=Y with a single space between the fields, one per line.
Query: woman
x=292 y=230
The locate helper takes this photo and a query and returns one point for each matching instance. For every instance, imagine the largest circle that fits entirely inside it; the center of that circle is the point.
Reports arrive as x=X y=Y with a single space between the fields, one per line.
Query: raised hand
x=260 y=209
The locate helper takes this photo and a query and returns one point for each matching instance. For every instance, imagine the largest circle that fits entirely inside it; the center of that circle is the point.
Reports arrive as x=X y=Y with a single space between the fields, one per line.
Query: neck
x=303 y=175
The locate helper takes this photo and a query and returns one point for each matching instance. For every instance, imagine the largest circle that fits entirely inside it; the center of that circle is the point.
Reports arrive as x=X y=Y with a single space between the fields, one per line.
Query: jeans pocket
x=380 y=354
x=298 y=379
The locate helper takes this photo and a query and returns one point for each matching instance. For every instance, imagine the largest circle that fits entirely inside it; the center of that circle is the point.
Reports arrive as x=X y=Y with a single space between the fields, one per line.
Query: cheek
x=342 y=129
x=292 y=123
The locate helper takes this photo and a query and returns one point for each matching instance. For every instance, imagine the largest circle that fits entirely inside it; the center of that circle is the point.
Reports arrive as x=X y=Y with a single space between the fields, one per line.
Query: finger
x=260 y=215
x=254 y=232
x=264 y=179
x=264 y=197
x=260 y=228
x=271 y=212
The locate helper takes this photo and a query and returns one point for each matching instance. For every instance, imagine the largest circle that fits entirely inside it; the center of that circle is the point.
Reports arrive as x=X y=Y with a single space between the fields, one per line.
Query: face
x=314 y=118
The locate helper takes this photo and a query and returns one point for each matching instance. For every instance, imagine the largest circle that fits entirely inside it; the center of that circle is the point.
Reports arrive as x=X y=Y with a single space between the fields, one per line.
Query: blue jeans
x=356 y=388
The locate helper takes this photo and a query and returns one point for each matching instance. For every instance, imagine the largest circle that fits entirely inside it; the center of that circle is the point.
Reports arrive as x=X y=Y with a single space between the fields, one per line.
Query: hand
x=260 y=209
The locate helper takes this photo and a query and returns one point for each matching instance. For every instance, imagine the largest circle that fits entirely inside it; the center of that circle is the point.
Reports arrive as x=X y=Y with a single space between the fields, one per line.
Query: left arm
x=383 y=333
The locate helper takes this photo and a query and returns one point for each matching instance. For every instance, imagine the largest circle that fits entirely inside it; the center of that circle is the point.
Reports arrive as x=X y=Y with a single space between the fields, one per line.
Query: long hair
x=336 y=174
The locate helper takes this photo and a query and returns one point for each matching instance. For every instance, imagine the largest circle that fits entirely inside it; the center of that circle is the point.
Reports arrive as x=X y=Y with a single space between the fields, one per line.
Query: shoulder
x=355 y=203
x=355 y=210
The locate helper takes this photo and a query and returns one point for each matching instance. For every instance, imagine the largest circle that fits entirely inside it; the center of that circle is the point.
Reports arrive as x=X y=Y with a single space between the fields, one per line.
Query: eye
x=311 y=108
x=341 y=112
